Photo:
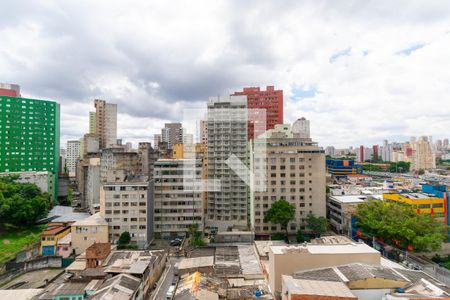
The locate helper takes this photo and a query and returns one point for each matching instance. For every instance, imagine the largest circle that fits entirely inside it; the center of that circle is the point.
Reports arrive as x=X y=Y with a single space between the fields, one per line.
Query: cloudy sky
x=361 y=71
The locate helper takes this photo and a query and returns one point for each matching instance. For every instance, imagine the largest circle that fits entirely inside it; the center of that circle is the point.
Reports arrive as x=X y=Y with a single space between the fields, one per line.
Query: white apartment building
x=227 y=205
x=128 y=206
x=290 y=167
x=178 y=196
x=72 y=156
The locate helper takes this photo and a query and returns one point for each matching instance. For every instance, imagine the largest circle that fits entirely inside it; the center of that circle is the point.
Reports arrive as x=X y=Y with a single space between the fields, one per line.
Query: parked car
x=170 y=292
x=176 y=242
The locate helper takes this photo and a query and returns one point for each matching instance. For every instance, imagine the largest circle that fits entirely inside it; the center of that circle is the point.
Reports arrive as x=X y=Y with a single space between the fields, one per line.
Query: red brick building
x=271 y=100
x=96 y=254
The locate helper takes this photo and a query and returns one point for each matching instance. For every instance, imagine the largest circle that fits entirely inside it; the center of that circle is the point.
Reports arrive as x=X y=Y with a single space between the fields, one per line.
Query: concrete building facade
x=291 y=168
x=92 y=122
x=106 y=123
x=178 y=202
x=72 y=156
x=227 y=204
x=270 y=100
x=128 y=206
x=86 y=232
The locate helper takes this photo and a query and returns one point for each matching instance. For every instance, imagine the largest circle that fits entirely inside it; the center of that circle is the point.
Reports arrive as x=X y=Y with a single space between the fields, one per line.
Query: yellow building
x=423 y=203
x=86 y=232
x=50 y=237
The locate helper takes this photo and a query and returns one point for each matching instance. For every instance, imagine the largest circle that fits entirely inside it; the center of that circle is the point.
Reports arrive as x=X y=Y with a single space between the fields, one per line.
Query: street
x=166 y=280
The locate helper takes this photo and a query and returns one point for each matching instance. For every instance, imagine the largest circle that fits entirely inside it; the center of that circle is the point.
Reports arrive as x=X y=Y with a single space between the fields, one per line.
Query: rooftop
x=316 y=287
x=195 y=262
x=349 y=198
x=95 y=219
x=348 y=248
x=122 y=286
x=20 y=294
x=131 y=262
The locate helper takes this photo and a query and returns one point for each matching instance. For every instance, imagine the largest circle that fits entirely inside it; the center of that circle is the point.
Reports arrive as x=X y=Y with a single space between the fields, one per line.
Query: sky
x=361 y=71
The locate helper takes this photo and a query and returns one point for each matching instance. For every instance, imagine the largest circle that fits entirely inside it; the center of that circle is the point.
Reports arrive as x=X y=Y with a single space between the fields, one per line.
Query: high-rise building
x=157 y=138
x=271 y=100
x=301 y=128
x=9 y=90
x=204 y=132
x=386 y=151
x=172 y=133
x=73 y=155
x=375 y=152
x=92 y=122
x=29 y=137
x=292 y=168
x=128 y=206
x=106 y=123
x=423 y=155
x=147 y=157
x=178 y=202
x=227 y=204
x=445 y=144
x=361 y=154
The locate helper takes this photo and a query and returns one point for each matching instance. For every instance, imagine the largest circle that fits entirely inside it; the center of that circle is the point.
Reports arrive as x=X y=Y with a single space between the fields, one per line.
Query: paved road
x=165 y=283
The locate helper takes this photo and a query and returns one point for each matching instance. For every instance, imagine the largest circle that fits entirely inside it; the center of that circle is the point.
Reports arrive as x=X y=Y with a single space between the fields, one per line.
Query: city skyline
x=346 y=66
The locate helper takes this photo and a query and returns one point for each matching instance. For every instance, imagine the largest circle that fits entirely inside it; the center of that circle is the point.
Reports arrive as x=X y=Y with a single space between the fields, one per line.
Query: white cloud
x=155 y=58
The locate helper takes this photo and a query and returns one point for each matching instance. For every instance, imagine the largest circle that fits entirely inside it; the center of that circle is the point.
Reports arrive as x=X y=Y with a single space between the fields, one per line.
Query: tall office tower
x=204 y=132
x=128 y=206
x=293 y=169
x=116 y=165
x=106 y=123
x=271 y=100
x=10 y=90
x=423 y=156
x=439 y=145
x=178 y=200
x=172 y=133
x=157 y=138
x=301 y=127
x=227 y=139
x=29 y=137
x=92 y=121
x=73 y=155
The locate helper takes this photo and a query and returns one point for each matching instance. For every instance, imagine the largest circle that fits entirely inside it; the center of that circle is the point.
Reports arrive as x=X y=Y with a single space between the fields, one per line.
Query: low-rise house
x=86 y=232
x=302 y=289
x=285 y=260
x=64 y=246
x=204 y=264
x=145 y=265
x=96 y=254
x=51 y=235
x=123 y=287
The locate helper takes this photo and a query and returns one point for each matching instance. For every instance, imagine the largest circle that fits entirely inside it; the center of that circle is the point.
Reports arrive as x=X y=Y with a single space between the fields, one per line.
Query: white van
x=170 y=291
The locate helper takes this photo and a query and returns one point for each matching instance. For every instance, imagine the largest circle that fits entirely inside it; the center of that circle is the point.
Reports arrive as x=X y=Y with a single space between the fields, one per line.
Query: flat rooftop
x=350 y=248
x=349 y=198
x=316 y=287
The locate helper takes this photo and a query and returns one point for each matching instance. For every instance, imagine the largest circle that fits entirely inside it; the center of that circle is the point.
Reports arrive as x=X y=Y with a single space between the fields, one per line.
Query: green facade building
x=29 y=137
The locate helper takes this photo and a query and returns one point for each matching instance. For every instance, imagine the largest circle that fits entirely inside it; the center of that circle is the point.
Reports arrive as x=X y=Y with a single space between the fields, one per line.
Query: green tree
x=281 y=212
x=400 y=225
x=195 y=236
x=69 y=196
x=421 y=172
x=300 y=237
x=124 y=238
x=21 y=204
x=317 y=225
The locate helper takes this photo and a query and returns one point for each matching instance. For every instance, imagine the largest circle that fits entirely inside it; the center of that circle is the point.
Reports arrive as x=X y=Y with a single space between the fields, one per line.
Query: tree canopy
x=21 y=204
x=400 y=225
x=317 y=225
x=124 y=238
x=281 y=212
